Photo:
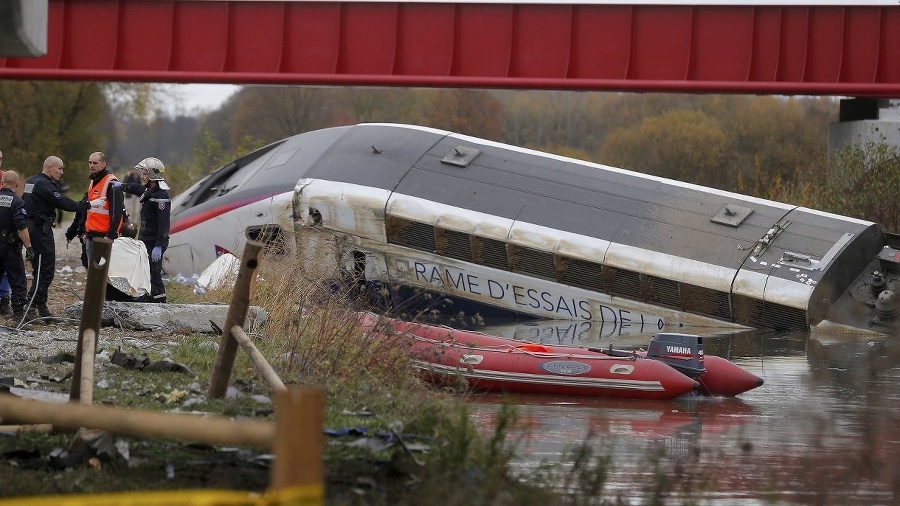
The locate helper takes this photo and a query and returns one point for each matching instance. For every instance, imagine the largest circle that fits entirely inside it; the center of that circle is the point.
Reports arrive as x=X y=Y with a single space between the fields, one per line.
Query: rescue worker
x=14 y=234
x=102 y=221
x=42 y=198
x=156 y=209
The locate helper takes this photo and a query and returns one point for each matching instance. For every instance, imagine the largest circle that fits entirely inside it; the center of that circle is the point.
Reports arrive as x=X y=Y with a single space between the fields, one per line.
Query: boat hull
x=490 y=363
x=725 y=378
x=493 y=364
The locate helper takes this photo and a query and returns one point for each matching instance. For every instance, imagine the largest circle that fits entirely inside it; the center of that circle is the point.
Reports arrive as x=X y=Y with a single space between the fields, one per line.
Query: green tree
x=862 y=180
x=207 y=156
x=269 y=113
x=39 y=119
x=679 y=144
x=775 y=138
x=472 y=112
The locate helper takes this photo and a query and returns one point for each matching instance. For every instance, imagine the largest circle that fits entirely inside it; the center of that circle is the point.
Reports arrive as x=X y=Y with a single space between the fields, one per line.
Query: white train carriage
x=452 y=223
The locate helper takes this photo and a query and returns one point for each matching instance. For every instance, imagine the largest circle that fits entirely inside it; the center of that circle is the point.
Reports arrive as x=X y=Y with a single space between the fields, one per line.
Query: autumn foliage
x=770 y=147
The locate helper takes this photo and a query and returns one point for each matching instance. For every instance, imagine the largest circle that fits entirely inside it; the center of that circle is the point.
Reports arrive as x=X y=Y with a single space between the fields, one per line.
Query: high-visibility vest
x=98 y=217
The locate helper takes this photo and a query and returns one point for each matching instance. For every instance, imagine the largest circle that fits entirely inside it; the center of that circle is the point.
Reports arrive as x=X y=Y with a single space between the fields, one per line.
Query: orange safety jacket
x=98 y=217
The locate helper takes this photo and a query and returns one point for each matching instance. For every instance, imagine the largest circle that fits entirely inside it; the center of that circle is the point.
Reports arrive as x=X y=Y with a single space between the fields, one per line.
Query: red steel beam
x=791 y=49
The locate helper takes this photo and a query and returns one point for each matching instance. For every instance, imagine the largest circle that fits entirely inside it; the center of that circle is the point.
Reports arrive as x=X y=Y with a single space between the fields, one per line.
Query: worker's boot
x=31 y=316
x=5 y=308
x=45 y=313
x=18 y=313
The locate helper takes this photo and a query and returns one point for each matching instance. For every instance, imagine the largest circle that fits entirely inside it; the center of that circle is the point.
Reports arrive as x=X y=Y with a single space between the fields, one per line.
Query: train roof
x=588 y=199
x=592 y=200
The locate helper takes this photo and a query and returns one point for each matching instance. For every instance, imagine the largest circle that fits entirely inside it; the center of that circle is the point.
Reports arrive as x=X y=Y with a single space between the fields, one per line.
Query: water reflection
x=824 y=429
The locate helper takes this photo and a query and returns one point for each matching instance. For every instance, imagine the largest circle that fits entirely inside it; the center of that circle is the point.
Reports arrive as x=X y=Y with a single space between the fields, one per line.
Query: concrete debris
x=167 y=317
x=128 y=360
x=91 y=447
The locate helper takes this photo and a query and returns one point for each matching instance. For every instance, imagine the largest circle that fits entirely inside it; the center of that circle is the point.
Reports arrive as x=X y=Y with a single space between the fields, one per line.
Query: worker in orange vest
x=102 y=221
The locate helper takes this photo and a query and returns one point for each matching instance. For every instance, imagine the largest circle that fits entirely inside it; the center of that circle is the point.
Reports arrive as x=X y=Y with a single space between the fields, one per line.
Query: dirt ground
x=44 y=464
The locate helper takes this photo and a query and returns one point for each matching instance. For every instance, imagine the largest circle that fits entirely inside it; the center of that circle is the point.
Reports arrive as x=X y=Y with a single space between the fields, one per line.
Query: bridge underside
x=816 y=50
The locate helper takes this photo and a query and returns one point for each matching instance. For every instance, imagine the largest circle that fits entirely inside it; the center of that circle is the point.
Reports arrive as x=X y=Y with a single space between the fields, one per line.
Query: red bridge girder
x=815 y=50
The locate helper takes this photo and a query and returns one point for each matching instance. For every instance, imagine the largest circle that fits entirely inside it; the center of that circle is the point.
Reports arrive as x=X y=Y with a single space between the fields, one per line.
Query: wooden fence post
x=137 y=422
x=237 y=315
x=88 y=350
x=91 y=309
x=299 y=440
x=258 y=359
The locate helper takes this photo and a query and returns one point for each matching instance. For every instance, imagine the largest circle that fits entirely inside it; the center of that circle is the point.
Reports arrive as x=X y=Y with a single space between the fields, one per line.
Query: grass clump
x=312 y=338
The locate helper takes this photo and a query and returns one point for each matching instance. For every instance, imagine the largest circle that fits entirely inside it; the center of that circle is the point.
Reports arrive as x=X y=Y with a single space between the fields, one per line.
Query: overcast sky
x=190 y=98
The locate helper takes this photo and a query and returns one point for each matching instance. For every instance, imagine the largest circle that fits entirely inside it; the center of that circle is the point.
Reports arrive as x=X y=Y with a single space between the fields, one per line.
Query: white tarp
x=224 y=270
x=129 y=267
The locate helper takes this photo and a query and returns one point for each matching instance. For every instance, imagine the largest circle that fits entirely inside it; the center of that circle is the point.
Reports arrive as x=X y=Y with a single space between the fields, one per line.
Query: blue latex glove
x=156 y=255
x=116 y=184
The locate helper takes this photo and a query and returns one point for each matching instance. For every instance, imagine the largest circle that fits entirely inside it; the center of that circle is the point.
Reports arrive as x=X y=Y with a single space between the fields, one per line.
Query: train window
x=453 y=244
x=705 y=301
x=755 y=312
x=490 y=252
x=409 y=233
x=580 y=273
x=661 y=291
x=229 y=177
x=533 y=262
x=623 y=282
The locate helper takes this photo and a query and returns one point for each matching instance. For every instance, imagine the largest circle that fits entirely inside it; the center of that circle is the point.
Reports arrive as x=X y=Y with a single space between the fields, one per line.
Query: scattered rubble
x=167 y=317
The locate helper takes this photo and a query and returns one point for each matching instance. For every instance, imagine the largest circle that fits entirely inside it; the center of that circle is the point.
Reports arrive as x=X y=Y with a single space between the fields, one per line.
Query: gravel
x=22 y=347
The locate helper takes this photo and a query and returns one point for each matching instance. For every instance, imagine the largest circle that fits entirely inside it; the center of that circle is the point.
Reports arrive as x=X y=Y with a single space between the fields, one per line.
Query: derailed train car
x=428 y=219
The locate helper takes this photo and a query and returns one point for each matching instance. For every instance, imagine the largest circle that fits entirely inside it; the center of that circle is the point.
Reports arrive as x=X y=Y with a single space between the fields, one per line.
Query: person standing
x=14 y=234
x=102 y=221
x=156 y=209
x=42 y=198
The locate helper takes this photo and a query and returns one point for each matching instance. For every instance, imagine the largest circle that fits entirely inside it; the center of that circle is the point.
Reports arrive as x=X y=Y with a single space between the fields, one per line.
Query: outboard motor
x=684 y=352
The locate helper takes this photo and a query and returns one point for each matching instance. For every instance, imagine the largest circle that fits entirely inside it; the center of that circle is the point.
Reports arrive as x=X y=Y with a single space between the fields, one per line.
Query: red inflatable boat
x=673 y=366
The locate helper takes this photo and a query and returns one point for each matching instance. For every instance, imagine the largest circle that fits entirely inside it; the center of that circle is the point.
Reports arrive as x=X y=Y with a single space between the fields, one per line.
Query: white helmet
x=154 y=168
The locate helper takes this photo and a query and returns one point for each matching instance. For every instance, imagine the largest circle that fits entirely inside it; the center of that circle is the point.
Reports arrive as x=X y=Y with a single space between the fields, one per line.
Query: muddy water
x=823 y=429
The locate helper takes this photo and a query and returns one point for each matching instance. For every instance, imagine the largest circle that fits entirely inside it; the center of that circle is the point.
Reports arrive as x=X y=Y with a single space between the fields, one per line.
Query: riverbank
x=391 y=439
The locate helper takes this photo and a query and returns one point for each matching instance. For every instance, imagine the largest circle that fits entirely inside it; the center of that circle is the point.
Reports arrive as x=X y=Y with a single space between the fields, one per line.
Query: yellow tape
x=309 y=495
